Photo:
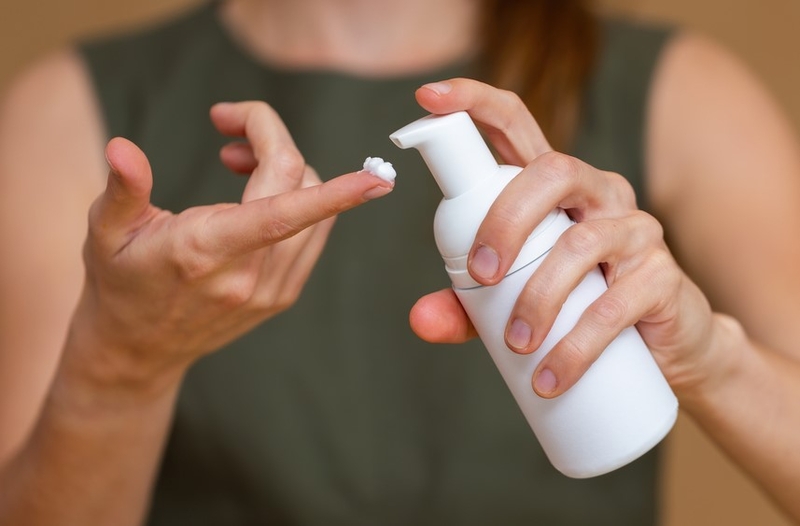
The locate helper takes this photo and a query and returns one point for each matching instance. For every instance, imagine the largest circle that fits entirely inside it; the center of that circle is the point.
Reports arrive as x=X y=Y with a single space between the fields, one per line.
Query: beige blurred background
x=701 y=488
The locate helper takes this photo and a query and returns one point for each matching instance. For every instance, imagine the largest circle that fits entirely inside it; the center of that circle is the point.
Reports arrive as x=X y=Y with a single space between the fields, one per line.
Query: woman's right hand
x=163 y=289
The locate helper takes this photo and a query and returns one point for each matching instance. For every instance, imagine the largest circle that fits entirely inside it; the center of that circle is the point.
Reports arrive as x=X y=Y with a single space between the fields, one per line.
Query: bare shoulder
x=51 y=150
x=709 y=113
x=51 y=169
x=51 y=99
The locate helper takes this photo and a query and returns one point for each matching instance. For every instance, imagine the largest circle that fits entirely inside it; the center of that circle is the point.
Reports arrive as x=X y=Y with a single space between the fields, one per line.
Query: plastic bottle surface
x=622 y=406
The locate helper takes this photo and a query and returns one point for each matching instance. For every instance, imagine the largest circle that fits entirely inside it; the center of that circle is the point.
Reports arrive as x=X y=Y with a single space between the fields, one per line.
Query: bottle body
x=622 y=406
x=616 y=412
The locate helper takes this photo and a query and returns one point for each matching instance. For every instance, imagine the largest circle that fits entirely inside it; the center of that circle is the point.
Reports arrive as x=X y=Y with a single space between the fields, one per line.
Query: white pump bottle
x=622 y=406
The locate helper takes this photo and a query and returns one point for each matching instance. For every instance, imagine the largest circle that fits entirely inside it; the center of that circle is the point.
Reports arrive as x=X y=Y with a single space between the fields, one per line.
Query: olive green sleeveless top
x=334 y=413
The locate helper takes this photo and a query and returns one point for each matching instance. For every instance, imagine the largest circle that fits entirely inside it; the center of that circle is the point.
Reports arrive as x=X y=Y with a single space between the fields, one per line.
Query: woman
x=331 y=411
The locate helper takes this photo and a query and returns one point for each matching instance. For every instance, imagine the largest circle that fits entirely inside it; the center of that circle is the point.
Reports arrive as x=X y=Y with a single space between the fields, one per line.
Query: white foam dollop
x=380 y=168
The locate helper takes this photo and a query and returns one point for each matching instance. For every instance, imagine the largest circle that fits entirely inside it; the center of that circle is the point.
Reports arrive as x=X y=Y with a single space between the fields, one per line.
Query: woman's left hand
x=646 y=287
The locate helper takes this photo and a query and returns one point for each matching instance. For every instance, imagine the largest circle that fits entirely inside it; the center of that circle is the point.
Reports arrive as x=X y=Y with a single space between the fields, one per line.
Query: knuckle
x=513 y=104
x=570 y=354
x=663 y=279
x=506 y=217
x=558 y=168
x=262 y=299
x=288 y=161
x=652 y=227
x=662 y=269
x=538 y=292
x=257 y=113
x=274 y=299
x=287 y=297
x=188 y=259
x=511 y=98
x=643 y=231
x=237 y=292
x=193 y=268
x=327 y=205
x=263 y=107
x=609 y=310
x=260 y=110
x=622 y=189
x=582 y=237
x=276 y=229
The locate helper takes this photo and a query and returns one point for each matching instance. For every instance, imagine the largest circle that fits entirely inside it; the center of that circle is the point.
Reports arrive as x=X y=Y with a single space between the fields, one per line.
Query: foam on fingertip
x=380 y=168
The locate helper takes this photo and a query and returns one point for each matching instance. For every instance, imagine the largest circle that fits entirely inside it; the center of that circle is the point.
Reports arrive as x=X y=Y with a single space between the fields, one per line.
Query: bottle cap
x=453 y=149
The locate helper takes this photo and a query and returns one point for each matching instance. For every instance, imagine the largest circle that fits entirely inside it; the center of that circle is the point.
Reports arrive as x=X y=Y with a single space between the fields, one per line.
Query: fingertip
x=122 y=206
x=440 y=318
x=433 y=95
x=219 y=108
x=436 y=89
x=129 y=166
x=114 y=151
x=418 y=320
x=378 y=191
x=374 y=186
x=227 y=119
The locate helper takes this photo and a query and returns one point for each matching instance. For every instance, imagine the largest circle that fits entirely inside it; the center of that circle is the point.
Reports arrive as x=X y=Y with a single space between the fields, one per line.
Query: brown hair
x=543 y=50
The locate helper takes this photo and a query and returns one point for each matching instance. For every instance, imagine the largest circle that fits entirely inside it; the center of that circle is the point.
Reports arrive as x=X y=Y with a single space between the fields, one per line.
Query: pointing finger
x=238 y=230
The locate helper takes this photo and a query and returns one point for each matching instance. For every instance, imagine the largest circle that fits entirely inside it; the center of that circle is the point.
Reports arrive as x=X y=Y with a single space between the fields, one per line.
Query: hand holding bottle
x=646 y=286
x=528 y=280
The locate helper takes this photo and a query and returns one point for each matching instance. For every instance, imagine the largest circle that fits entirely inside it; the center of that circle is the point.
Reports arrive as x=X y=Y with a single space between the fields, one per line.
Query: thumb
x=123 y=205
x=440 y=318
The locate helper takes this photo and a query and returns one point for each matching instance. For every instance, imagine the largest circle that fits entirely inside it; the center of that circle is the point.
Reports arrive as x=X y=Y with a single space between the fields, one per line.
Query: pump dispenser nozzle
x=453 y=149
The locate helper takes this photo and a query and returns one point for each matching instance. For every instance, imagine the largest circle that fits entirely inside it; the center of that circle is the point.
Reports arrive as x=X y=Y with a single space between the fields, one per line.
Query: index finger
x=501 y=114
x=240 y=229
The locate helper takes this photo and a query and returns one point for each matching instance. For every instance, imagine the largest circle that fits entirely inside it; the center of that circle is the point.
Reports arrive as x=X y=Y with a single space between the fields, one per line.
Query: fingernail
x=485 y=262
x=377 y=191
x=519 y=335
x=440 y=88
x=545 y=382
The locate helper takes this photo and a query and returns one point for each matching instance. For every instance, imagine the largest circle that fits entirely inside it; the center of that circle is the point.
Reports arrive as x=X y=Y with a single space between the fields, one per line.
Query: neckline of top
x=210 y=11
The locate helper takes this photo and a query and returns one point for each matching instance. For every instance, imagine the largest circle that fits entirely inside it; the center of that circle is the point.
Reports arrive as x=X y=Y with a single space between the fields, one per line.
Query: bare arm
x=88 y=439
x=51 y=169
x=725 y=182
x=90 y=373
